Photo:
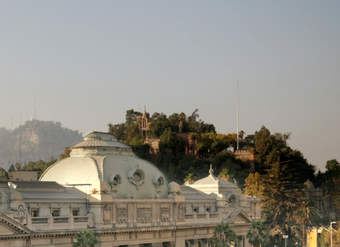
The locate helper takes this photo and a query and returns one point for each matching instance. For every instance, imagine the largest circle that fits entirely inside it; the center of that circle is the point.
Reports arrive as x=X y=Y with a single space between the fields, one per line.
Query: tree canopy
x=224 y=236
x=85 y=239
x=178 y=133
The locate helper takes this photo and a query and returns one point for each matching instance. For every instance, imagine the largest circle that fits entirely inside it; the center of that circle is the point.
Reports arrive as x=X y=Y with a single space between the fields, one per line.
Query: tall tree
x=258 y=234
x=224 y=236
x=253 y=185
x=284 y=202
x=3 y=173
x=85 y=239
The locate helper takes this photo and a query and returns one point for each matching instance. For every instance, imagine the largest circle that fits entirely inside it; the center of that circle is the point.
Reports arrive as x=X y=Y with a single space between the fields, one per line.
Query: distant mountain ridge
x=35 y=140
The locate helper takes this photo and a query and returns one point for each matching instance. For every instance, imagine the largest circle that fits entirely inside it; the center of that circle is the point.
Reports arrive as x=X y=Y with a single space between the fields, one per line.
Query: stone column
x=132 y=211
x=71 y=220
x=203 y=242
x=195 y=243
x=180 y=242
x=155 y=214
x=247 y=244
x=243 y=241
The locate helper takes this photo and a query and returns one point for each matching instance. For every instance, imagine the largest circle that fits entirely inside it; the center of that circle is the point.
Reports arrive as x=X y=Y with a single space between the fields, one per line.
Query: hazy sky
x=85 y=63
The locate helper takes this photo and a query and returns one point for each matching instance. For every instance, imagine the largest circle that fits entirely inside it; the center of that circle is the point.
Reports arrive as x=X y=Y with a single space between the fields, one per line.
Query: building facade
x=124 y=200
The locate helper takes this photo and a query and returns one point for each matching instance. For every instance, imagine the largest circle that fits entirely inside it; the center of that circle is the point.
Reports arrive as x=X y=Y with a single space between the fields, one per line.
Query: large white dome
x=101 y=166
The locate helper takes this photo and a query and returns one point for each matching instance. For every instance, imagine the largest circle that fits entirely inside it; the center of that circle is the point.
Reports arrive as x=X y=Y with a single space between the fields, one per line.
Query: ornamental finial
x=211 y=171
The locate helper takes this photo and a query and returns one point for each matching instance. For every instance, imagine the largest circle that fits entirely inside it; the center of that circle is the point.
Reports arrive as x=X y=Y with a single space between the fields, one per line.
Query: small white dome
x=101 y=165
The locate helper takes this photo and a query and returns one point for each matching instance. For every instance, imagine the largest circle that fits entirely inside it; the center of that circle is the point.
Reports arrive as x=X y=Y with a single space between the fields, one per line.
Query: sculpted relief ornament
x=136 y=177
x=114 y=182
x=21 y=213
x=158 y=181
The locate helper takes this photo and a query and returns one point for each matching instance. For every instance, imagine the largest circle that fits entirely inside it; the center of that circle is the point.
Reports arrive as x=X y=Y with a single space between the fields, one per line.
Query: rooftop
x=100 y=139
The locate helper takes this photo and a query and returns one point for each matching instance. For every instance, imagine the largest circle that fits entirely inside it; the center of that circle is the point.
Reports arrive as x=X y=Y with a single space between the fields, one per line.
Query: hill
x=35 y=140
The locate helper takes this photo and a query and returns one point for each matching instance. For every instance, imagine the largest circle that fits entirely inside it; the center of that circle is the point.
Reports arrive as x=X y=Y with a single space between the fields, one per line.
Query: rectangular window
x=56 y=212
x=75 y=212
x=35 y=212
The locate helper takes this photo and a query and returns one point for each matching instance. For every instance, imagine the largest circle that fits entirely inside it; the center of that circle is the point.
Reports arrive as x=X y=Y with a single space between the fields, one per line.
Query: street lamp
x=331 y=230
x=285 y=238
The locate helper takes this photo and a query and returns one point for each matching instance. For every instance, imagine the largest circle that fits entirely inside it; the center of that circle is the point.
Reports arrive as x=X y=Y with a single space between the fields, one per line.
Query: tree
x=236 y=169
x=85 y=239
x=11 y=168
x=66 y=154
x=253 y=185
x=118 y=130
x=17 y=166
x=190 y=178
x=326 y=237
x=333 y=166
x=3 y=173
x=170 y=142
x=272 y=148
x=224 y=236
x=159 y=123
x=306 y=217
x=263 y=144
x=130 y=116
x=284 y=203
x=258 y=234
x=224 y=174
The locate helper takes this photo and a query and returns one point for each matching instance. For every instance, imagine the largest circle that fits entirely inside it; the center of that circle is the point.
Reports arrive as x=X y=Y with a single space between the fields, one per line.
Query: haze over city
x=84 y=63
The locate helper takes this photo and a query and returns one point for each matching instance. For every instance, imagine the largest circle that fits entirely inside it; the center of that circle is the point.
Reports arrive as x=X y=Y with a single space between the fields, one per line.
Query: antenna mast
x=237 y=115
x=34 y=113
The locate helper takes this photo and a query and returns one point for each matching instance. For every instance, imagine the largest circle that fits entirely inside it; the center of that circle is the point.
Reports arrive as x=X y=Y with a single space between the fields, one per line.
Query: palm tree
x=306 y=216
x=258 y=234
x=224 y=236
x=85 y=239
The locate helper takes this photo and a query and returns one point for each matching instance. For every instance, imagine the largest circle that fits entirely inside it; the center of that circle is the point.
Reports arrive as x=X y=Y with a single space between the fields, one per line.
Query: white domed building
x=125 y=200
x=108 y=167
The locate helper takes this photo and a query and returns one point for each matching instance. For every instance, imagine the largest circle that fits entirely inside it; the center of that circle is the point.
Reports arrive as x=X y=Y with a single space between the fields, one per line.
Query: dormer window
x=75 y=212
x=116 y=180
x=136 y=177
x=158 y=181
x=55 y=212
x=35 y=212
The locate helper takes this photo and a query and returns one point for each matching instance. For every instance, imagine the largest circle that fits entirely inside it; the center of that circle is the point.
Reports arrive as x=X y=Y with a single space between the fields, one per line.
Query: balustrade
x=39 y=220
x=60 y=219
x=78 y=219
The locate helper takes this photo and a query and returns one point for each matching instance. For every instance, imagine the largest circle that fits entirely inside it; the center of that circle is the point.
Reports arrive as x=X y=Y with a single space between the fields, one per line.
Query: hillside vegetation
x=277 y=173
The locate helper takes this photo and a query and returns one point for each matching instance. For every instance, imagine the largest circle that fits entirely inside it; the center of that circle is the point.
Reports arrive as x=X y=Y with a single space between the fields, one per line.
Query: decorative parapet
x=58 y=222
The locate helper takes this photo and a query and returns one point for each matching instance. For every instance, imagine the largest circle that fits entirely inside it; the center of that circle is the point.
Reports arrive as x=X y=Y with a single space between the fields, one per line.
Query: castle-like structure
x=124 y=200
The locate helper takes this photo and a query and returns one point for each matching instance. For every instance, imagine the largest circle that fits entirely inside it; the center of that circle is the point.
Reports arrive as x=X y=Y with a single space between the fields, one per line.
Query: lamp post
x=331 y=230
x=285 y=238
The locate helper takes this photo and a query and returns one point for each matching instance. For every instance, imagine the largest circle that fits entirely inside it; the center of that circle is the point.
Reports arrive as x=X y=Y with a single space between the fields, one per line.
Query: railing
x=39 y=220
x=78 y=219
x=60 y=219
x=189 y=216
x=201 y=216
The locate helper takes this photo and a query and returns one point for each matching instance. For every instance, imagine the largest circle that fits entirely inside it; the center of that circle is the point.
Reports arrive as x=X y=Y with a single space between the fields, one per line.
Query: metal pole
x=331 y=230
x=285 y=238
x=237 y=118
x=331 y=235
